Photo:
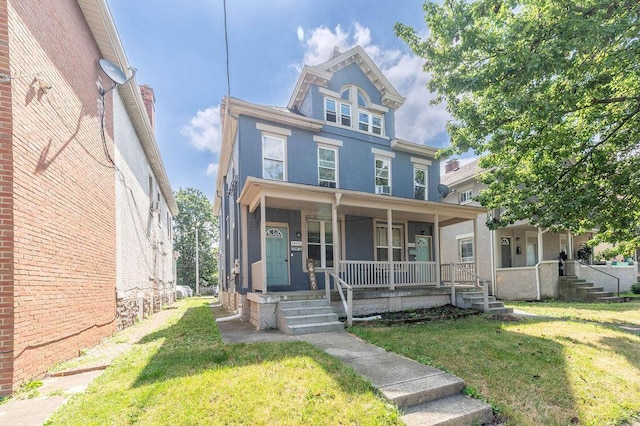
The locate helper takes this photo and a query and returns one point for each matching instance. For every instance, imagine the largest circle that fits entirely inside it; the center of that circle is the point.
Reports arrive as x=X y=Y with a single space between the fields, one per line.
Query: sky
x=178 y=48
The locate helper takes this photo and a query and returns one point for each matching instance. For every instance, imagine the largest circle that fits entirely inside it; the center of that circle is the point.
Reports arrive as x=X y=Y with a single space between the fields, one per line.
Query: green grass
x=538 y=371
x=618 y=313
x=184 y=374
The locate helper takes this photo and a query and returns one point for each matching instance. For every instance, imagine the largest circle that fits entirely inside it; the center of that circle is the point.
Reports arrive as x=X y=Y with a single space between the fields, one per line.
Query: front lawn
x=535 y=371
x=614 y=313
x=184 y=374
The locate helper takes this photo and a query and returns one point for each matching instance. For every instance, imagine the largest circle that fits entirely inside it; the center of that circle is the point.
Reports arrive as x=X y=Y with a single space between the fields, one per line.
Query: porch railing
x=463 y=270
x=463 y=273
x=341 y=286
x=362 y=273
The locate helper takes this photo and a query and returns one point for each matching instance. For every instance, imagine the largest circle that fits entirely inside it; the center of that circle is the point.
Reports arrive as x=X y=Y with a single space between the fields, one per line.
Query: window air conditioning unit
x=155 y=206
x=383 y=189
x=327 y=184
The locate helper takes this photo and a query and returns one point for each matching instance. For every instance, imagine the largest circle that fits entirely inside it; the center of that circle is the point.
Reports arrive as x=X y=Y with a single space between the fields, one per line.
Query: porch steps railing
x=297 y=317
x=475 y=300
x=575 y=289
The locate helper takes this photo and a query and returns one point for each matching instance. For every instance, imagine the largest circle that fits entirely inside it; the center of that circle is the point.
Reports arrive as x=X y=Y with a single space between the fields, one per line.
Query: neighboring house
x=326 y=181
x=86 y=205
x=526 y=258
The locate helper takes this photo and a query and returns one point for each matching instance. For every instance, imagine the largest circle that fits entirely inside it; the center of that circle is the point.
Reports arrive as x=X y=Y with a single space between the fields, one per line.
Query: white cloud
x=300 y=33
x=212 y=170
x=417 y=120
x=204 y=130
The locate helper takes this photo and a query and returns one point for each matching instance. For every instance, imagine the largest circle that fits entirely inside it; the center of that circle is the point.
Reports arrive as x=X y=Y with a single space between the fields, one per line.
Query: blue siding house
x=323 y=185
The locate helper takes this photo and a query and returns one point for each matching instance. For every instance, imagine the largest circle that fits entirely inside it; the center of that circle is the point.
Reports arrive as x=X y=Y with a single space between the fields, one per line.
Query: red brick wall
x=6 y=213
x=63 y=188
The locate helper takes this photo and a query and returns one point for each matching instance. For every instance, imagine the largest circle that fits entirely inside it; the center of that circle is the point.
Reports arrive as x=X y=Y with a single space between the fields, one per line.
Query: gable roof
x=101 y=24
x=321 y=75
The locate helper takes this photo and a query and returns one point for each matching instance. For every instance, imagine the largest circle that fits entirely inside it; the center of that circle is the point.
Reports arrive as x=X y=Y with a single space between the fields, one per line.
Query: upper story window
x=327 y=166
x=339 y=109
x=420 y=178
x=382 y=164
x=274 y=151
x=465 y=249
x=465 y=196
x=273 y=158
x=419 y=182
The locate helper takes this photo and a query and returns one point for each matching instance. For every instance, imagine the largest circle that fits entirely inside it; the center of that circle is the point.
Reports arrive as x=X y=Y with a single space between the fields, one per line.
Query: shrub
x=635 y=288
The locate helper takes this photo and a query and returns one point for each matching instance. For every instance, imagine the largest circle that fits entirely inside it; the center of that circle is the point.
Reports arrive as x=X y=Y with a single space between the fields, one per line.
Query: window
x=344 y=107
x=383 y=175
x=320 y=242
x=466 y=196
x=419 y=183
x=327 y=175
x=382 y=244
x=330 y=110
x=368 y=122
x=273 y=158
x=465 y=250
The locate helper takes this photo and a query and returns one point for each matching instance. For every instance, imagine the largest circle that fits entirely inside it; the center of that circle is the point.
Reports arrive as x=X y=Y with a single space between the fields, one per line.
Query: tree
x=196 y=212
x=549 y=93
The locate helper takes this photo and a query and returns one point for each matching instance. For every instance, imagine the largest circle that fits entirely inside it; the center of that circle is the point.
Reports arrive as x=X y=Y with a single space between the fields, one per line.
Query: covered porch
x=335 y=239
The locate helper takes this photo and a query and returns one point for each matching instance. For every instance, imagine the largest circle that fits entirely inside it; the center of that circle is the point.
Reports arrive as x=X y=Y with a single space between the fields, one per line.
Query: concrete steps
x=296 y=317
x=425 y=395
x=578 y=290
x=475 y=300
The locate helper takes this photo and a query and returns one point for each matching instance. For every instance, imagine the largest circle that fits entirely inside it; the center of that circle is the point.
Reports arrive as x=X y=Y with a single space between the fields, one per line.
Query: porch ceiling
x=291 y=196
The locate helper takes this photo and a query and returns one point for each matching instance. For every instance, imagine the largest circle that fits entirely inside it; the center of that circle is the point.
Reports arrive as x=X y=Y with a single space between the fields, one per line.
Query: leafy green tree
x=548 y=92
x=196 y=212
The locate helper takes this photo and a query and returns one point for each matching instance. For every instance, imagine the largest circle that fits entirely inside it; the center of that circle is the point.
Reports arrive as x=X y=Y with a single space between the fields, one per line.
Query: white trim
x=288 y=249
x=404 y=229
x=461 y=236
x=336 y=167
x=273 y=129
x=421 y=161
x=383 y=153
x=328 y=92
x=284 y=155
x=327 y=141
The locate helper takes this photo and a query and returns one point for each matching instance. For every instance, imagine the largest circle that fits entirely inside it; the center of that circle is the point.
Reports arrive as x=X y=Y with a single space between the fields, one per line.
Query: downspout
x=238 y=315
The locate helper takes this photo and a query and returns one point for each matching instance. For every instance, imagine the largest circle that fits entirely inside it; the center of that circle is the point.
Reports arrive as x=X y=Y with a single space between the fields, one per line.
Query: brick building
x=85 y=203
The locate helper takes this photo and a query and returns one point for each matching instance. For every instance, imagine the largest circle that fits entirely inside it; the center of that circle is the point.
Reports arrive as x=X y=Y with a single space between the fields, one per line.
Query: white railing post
x=349 y=307
x=327 y=286
x=485 y=295
x=453 y=286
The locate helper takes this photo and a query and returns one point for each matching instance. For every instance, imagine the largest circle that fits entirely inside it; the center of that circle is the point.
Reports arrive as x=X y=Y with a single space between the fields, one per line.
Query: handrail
x=602 y=272
x=485 y=288
x=346 y=304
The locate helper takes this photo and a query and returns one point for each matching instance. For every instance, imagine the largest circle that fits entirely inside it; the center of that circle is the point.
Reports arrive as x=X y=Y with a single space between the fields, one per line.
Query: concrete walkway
x=426 y=395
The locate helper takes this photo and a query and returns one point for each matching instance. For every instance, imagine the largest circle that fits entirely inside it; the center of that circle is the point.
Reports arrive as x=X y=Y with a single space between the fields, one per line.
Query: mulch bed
x=419 y=315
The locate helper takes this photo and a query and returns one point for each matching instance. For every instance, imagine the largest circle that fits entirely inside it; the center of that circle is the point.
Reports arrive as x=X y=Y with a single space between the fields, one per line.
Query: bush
x=635 y=288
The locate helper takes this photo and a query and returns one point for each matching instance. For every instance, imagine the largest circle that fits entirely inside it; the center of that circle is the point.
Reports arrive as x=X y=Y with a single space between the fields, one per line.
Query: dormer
x=345 y=103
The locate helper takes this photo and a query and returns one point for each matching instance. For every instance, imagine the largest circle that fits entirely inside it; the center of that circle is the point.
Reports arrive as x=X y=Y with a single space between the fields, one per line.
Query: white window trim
x=459 y=239
x=267 y=128
x=468 y=198
x=337 y=161
x=403 y=237
x=371 y=109
x=308 y=215
x=380 y=155
x=425 y=169
x=284 y=153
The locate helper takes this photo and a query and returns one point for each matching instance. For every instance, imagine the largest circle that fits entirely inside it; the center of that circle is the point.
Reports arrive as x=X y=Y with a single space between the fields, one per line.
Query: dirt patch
x=412 y=316
x=504 y=317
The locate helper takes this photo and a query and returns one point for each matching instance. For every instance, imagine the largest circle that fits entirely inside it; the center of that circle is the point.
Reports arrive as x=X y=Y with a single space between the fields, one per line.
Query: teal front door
x=277 y=256
x=423 y=254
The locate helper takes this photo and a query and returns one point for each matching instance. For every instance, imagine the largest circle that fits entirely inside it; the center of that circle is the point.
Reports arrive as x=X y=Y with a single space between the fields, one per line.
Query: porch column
x=540 y=250
x=570 y=245
x=263 y=242
x=436 y=243
x=243 y=243
x=336 y=248
x=475 y=251
x=390 y=249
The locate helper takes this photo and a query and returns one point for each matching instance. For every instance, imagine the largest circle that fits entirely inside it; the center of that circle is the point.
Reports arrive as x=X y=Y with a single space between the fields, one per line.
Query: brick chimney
x=149 y=99
x=451 y=166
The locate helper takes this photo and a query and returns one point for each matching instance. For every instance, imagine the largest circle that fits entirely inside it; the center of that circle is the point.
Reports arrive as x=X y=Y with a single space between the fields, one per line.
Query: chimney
x=149 y=103
x=451 y=166
x=336 y=52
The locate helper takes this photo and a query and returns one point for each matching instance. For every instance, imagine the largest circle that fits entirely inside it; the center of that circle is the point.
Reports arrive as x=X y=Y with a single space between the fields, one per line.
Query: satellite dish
x=443 y=190
x=113 y=71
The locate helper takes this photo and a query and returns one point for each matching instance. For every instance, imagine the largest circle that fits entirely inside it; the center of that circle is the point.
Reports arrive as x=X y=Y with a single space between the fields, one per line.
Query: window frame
x=466 y=240
x=383 y=226
x=335 y=167
x=424 y=169
x=386 y=160
x=283 y=140
x=466 y=196
x=324 y=225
